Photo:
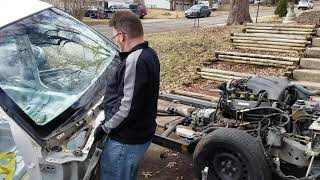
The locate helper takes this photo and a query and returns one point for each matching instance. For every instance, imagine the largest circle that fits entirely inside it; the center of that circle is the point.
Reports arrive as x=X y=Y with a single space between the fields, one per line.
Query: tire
x=231 y=154
x=141 y=17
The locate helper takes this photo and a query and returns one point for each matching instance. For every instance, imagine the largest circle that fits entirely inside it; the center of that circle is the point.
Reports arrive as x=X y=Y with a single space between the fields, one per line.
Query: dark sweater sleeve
x=135 y=78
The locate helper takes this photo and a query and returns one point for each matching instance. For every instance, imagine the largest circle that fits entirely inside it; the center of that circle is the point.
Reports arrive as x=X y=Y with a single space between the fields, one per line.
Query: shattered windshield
x=48 y=61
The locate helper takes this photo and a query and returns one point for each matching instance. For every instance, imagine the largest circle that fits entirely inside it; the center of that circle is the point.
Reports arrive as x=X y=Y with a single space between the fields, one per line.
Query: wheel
x=231 y=154
x=141 y=17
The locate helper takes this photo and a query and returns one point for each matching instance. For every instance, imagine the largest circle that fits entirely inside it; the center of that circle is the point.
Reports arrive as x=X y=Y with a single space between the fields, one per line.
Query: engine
x=281 y=115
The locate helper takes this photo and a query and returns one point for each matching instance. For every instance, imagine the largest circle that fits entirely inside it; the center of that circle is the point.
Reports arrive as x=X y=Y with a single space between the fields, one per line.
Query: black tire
x=141 y=17
x=231 y=154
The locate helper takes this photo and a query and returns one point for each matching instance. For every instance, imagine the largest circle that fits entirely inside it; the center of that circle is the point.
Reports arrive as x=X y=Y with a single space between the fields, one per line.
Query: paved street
x=151 y=26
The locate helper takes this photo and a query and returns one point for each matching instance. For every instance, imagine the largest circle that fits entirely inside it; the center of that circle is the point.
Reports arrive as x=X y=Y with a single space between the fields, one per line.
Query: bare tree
x=139 y=1
x=171 y=5
x=239 y=12
x=73 y=7
x=210 y=3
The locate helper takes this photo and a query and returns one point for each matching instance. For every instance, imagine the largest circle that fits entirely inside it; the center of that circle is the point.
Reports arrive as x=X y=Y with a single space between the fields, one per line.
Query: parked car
x=139 y=9
x=305 y=4
x=197 y=11
x=91 y=11
x=215 y=5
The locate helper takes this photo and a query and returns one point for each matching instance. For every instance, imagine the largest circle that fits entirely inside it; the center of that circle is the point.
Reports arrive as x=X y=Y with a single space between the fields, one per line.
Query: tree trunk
x=239 y=12
x=210 y=3
x=171 y=5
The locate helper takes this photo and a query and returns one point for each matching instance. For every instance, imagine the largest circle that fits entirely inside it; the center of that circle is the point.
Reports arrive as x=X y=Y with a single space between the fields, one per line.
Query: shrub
x=281 y=9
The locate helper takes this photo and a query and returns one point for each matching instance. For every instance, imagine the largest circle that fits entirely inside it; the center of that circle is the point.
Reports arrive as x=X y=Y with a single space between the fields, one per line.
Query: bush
x=281 y=9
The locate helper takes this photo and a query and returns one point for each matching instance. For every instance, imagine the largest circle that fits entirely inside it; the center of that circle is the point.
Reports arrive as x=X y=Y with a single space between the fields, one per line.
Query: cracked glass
x=48 y=61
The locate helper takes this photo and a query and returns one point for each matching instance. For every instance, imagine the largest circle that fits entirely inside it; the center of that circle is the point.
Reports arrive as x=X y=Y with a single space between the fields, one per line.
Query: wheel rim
x=228 y=165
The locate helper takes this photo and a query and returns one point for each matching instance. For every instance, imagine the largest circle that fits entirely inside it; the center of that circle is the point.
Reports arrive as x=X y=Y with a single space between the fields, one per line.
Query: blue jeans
x=121 y=161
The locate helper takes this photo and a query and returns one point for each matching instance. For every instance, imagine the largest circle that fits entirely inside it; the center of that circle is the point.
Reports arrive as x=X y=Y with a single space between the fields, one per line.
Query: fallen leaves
x=171 y=165
x=146 y=175
x=309 y=17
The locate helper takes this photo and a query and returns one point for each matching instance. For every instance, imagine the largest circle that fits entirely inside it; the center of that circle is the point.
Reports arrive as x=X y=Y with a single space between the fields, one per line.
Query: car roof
x=14 y=10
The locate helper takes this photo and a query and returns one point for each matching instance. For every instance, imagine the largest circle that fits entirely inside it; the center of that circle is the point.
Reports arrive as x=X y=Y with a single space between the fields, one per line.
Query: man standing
x=130 y=102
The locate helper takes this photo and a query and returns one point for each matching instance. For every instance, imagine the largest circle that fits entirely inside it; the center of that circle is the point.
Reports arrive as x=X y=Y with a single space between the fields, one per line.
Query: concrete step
x=308 y=84
x=310 y=63
x=313 y=52
x=307 y=75
x=316 y=42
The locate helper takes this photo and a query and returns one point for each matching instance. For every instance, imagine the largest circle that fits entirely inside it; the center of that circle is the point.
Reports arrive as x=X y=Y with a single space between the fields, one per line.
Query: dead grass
x=163 y=14
x=93 y=22
x=181 y=52
x=269 y=19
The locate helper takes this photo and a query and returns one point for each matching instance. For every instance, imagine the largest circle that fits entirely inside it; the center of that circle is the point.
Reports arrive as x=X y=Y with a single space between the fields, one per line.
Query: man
x=130 y=102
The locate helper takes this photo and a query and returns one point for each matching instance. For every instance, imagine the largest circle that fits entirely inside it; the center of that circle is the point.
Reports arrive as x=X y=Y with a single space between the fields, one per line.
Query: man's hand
x=99 y=133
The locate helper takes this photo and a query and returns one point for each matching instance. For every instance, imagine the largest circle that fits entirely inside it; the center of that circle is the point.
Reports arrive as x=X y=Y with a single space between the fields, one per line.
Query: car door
x=204 y=11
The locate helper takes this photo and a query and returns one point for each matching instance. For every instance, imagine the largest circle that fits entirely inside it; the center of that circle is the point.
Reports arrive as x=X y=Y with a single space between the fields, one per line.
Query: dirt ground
x=163 y=164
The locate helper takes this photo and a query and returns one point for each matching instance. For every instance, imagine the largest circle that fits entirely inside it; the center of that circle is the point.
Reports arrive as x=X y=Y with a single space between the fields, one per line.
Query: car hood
x=53 y=73
x=191 y=11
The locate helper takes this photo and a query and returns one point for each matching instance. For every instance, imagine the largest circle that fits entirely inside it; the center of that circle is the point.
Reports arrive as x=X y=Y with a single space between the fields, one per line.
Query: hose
x=304 y=90
x=264 y=108
x=228 y=86
x=260 y=98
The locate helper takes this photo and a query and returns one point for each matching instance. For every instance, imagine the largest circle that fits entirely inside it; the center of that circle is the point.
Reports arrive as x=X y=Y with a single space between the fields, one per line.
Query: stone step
x=313 y=52
x=310 y=63
x=307 y=75
x=308 y=84
x=316 y=42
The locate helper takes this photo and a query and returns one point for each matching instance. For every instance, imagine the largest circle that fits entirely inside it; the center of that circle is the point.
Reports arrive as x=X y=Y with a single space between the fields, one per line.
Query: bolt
x=234 y=169
x=223 y=163
x=223 y=170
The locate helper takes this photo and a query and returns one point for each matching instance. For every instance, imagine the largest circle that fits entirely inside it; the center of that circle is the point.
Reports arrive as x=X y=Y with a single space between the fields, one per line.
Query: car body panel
x=52 y=77
x=55 y=71
x=22 y=9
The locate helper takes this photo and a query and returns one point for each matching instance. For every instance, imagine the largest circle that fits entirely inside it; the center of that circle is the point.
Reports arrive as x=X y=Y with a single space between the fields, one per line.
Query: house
x=160 y=4
x=108 y=3
x=186 y=4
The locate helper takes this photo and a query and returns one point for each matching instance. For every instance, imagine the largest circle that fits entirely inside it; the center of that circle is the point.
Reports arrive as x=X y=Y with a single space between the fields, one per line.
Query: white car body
x=62 y=145
x=305 y=4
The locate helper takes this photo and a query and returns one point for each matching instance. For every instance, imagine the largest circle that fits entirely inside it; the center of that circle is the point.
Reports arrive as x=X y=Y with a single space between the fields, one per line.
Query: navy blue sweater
x=130 y=102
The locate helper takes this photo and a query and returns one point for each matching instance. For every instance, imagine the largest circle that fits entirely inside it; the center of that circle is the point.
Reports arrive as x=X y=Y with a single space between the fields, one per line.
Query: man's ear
x=123 y=38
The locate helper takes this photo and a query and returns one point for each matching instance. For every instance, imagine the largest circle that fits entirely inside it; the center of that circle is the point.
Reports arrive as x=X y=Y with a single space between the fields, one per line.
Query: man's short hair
x=127 y=22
